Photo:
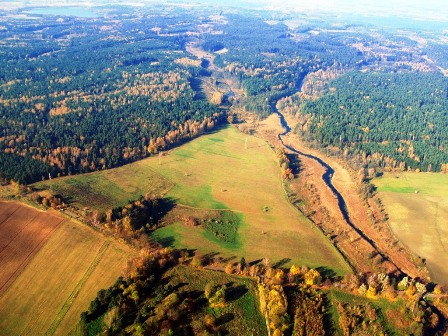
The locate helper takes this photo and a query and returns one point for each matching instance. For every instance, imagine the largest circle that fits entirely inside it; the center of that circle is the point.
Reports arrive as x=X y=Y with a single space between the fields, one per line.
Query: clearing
x=54 y=268
x=221 y=171
x=215 y=171
x=417 y=205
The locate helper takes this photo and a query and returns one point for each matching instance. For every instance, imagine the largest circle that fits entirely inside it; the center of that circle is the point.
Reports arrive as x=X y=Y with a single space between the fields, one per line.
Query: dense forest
x=269 y=61
x=392 y=120
x=80 y=95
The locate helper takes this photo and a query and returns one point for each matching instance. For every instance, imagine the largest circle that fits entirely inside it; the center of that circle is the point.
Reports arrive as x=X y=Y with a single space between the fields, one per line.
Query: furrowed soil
x=23 y=231
x=54 y=268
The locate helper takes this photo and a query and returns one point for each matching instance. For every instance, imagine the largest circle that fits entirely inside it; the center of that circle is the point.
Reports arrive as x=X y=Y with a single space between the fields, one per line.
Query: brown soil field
x=52 y=269
x=23 y=231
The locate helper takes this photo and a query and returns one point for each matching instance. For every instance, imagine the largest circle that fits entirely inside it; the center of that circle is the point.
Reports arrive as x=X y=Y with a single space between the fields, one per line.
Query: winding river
x=329 y=171
x=327 y=178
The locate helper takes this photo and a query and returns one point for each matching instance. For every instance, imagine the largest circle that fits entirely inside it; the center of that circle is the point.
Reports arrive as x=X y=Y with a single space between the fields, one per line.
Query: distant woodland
x=391 y=120
x=375 y=98
x=80 y=95
x=269 y=62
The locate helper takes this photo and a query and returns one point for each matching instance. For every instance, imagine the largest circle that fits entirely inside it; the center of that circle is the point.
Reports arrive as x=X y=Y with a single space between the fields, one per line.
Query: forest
x=79 y=96
x=391 y=120
x=269 y=62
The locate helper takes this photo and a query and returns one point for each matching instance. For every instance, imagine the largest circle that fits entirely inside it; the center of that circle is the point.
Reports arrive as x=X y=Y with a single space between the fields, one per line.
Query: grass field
x=108 y=189
x=217 y=172
x=417 y=205
x=61 y=278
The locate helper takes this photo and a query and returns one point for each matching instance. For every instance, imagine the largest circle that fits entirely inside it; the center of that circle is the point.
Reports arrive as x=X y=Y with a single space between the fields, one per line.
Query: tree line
x=392 y=121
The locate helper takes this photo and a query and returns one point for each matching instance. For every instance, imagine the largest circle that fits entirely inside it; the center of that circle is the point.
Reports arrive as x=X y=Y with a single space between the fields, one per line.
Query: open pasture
x=417 y=205
x=51 y=269
x=221 y=171
x=215 y=171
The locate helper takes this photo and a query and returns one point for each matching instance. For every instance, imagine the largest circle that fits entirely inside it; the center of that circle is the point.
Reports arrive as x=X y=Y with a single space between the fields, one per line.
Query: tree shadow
x=226 y=260
x=234 y=293
x=295 y=165
x=281 y=262
x=223 y=319
x=255 y=262
x=66 y=199
x=326 y=272
x=328 y=322
x=164 y=205
x=197 y=295
x=166 y=241
x=210 y=256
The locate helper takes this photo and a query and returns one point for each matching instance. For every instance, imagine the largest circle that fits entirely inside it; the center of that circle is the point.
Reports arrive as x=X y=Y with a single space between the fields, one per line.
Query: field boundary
x=71 y=298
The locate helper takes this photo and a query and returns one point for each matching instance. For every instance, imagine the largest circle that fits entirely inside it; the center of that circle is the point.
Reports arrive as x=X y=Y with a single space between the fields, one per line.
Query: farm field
x=23 y=231
x=61 y=277
x=417 y=205
x=216 y=171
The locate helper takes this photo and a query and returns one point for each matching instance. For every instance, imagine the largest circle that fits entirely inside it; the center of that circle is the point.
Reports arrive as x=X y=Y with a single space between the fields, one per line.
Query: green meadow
x=217 y=171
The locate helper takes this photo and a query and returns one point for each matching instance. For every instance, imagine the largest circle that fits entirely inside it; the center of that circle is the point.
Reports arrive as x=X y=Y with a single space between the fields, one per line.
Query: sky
x=422 y=9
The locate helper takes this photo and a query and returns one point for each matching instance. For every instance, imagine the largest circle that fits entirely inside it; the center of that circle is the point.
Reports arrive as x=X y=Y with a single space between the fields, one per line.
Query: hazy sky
x=425 y=9
x=428 y=9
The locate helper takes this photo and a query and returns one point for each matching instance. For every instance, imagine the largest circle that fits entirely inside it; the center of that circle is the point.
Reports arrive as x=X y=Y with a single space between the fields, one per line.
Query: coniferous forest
x=81 y=95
